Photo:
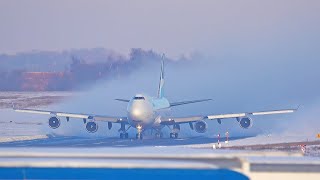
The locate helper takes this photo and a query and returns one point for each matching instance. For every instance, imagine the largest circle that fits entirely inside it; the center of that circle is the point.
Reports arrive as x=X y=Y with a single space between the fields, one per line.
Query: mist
x=235 y=86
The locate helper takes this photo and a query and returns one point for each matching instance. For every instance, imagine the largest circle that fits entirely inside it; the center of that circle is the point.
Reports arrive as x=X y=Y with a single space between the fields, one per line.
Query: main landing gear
x=174 y=131
x=173 y=135
x=124 y=135
x=123 y=131
x=159 y=135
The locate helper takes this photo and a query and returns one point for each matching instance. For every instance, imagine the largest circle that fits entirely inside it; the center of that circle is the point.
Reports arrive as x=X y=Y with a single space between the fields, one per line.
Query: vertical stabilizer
x=161 y=83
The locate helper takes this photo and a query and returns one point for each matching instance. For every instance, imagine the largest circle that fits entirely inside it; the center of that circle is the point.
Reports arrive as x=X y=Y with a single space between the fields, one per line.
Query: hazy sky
x=213 y=27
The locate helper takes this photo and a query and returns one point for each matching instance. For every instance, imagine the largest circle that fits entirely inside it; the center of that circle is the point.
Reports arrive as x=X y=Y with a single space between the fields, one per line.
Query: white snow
x=22 y=138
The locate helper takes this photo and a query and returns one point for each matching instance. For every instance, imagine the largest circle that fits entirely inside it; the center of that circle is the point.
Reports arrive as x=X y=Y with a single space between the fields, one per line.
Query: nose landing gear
x=139 y=134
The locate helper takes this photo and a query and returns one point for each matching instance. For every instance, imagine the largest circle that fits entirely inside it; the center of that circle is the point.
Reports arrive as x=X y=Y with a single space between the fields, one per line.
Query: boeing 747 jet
x=145 y=112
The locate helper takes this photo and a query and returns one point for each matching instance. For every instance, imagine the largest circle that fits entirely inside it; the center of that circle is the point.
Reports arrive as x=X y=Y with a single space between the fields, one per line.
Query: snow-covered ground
x=32 y=99
x=273 y=139
x=21 y=138
x=266 y=139
x=17 y=124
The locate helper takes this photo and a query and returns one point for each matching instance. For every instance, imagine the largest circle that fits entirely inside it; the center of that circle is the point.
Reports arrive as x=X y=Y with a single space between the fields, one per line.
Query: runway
x=110 y=142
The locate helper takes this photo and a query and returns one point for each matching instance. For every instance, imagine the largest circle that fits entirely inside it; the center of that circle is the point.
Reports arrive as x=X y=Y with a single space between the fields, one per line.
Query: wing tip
x=298 y=107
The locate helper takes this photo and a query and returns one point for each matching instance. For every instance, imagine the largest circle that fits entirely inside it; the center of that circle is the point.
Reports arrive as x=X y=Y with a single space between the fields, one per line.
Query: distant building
x=46 y=81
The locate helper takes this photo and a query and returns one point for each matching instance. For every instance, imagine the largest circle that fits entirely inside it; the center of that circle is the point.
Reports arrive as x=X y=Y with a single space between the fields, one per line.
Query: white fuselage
x=145 y=112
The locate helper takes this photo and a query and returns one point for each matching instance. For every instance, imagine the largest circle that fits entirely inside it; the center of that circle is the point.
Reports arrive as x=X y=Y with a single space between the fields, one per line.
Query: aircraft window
x=139 y=98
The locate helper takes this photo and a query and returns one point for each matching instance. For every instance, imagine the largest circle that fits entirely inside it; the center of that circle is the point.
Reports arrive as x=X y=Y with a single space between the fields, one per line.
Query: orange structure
x=42 y=81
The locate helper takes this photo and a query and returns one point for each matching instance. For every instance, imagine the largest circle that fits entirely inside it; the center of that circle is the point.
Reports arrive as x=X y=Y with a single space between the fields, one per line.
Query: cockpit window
x=139 y=98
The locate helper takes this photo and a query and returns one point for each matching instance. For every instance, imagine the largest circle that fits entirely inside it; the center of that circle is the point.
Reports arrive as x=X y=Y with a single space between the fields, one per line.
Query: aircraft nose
x=136 y=112
x=139 y=112
x=136 y=115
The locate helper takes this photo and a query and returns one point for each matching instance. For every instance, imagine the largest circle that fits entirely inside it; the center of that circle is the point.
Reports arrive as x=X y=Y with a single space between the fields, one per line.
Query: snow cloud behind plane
x=239 y=87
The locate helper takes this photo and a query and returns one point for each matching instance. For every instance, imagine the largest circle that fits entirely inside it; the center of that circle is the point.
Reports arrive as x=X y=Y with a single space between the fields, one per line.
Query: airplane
x=145 y=112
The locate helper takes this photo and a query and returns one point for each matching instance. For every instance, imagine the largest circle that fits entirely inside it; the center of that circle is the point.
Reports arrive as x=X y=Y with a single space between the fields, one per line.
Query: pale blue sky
x=212 y=27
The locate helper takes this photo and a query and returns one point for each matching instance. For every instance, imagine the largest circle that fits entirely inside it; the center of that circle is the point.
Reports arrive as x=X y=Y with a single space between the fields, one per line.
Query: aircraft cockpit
x=139 y=98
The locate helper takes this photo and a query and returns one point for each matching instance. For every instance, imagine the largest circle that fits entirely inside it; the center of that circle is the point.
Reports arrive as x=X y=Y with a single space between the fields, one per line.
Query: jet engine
x=92 y=127
x=54 y=122
x=245 y=122
x=200 y=127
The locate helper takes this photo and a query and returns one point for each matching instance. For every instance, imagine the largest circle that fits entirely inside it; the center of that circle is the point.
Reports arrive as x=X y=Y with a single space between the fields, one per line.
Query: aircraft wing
x=122 y=100
x=112 y=119
x=218 y=117
x=188 y=102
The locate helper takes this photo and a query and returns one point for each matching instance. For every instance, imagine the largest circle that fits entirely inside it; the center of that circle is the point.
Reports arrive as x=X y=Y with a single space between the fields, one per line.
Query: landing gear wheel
x=159 y=135
x=139 y=136
x=124 y=135
x=173 y=135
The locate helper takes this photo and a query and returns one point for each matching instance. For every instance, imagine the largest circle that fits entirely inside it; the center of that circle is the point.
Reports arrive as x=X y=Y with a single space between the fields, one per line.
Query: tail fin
x=161 y=83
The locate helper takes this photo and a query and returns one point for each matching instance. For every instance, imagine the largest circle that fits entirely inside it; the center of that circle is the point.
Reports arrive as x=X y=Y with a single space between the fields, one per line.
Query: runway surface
x=109 y=142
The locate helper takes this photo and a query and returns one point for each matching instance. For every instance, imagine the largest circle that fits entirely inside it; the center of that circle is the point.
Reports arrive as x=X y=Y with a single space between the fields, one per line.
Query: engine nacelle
x=109 y=125
x=200 y=127
x=245 y=122
x=54 y=122
x=92 y=127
